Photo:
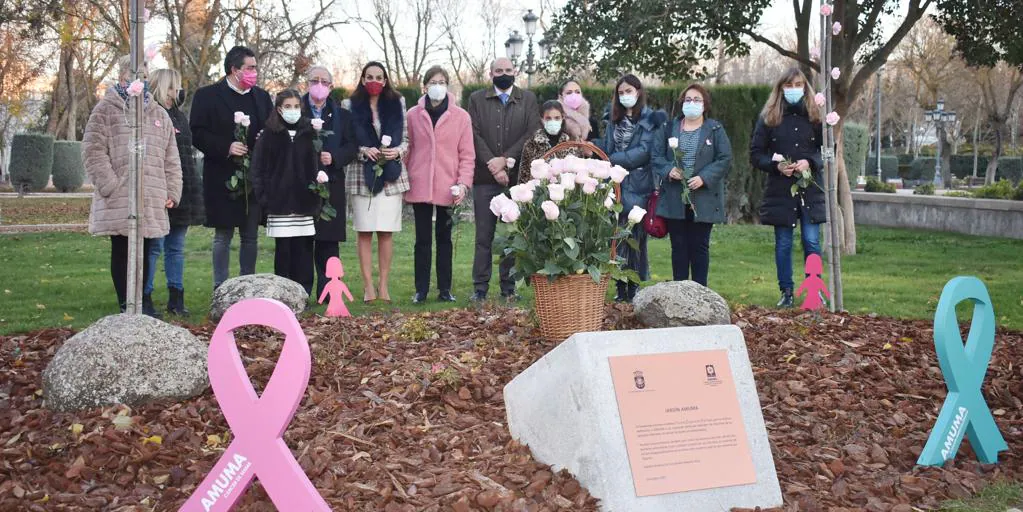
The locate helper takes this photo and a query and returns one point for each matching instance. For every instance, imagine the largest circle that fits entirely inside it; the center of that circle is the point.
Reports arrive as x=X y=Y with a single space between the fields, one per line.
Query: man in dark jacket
x=213 y=131
x=339 y=149
x=503 y=116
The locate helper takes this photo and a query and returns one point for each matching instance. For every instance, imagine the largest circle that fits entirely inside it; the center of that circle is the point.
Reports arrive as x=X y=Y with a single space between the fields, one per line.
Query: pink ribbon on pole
x=258 y=422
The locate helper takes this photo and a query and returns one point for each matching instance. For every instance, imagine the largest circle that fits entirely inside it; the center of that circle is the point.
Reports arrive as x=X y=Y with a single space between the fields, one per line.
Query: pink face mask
x=573 y=100
x=248 y=79
x=318 y=92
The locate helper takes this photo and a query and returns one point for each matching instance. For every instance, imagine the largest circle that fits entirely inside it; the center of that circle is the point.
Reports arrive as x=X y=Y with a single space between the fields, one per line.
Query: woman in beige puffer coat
x=107 y=157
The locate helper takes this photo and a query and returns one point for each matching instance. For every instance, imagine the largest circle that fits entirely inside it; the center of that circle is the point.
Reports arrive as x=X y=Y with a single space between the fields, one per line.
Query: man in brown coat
x=503 y=117
x=106 y=151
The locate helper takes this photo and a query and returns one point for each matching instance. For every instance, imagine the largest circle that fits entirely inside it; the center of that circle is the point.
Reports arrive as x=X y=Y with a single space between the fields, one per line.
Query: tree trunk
x=992 y=165
x=846 y=225
x=72 y=96
x=946 y=158
x=976 y=134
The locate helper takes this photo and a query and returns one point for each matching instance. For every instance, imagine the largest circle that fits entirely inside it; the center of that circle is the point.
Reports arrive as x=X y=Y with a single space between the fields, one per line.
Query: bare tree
x=407 y=47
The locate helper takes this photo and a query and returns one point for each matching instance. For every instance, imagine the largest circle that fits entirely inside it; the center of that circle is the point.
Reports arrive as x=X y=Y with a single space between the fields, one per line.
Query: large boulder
x=125 y=359
x=680 y=304
x=265 y=286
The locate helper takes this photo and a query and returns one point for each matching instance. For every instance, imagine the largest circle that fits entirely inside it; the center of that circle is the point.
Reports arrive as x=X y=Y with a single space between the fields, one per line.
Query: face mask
x=552 y=126
x=793 y=94
x=437 y=92
x=180 y=98
x=628 y=100
x=692 y=110
x=573 y=101
x=318 y=92
x=248 y=79
x=374 y=88
x=503 y=82
x=291 y=116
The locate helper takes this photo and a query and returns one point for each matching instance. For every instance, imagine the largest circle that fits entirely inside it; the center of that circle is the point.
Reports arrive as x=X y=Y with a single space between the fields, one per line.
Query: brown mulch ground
x=405 y=413
x=44 y=210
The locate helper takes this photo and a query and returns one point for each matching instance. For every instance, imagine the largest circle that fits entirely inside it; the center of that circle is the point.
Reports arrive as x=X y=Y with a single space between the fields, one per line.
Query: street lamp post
x=513 y=47
x=939 y=117
x=879 y=70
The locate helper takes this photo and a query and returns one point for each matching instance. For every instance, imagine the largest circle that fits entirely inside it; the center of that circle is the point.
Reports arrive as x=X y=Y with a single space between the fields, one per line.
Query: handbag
x=654 y=224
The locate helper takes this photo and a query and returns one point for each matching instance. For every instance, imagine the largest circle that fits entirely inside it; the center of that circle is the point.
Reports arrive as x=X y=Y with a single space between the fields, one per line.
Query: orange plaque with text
x=682 y=422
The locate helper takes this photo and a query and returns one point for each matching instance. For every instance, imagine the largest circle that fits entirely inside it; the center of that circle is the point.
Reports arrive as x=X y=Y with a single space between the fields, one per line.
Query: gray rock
x=125 y=359
x=266 y=286
x=680 y=304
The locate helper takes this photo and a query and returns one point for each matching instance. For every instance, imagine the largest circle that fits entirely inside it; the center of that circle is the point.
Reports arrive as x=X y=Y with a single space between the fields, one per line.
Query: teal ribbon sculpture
x=965 y=411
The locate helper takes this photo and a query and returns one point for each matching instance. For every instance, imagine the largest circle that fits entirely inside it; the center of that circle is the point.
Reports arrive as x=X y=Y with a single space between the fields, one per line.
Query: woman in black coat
x=786 y=142
x=168 y=93
x=339 y=149
x=284 y=164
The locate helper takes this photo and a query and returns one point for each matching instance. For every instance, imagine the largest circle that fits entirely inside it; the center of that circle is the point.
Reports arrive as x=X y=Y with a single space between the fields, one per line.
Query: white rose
x=636 y=215
x=510 y=162
x=385 y=140
x=673 y=142
x=321 y=177
x=456 y=190
x=557 y=192
x=317 y=124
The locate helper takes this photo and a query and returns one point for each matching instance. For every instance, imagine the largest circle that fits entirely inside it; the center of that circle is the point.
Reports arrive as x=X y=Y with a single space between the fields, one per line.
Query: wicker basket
x=574 y=303
x=569 y=304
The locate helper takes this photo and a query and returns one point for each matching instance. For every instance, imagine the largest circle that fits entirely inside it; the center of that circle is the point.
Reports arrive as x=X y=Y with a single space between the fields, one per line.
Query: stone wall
x=986 y=217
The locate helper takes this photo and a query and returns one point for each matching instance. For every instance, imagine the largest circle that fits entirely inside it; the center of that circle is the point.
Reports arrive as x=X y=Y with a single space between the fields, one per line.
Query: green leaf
x=633 y=244
x=234 y=182
x=594 y=273
x=795 y=188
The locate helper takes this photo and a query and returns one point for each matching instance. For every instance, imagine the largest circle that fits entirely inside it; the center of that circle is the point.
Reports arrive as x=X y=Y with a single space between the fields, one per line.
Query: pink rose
x=532 y=184
x=136 y=88
x=815 y=52
x=835 y=73
x=836 y=28
x=777 y=158
x=609 y=202
x=832 y=118
x=246 y=121
x=151 y=51
x=539 y=170
x=557 y=166
x=510 y=162
x=601 y=169
x=590 y=186
x=317 y=124
x=568 y=181
x=550 y=210
x=456 y=190
x=820 y=99
x=238 y=116
x=521 y=193
x=575 y=164
x=498 y=204
x=826 y=10
x=321 y=177
x=618 y=174
x=582 y=177
x=557 y=192
x=511 y=213
x=385 y=141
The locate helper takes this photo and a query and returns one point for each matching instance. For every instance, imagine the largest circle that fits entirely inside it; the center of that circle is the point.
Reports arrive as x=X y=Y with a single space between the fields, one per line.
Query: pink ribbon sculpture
x=258 y=422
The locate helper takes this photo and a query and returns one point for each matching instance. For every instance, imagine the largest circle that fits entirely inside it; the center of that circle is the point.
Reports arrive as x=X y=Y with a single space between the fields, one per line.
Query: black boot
x=622 y=294
x=176 y=302
x=633 y=289
x=147 y=307
x=786 y=298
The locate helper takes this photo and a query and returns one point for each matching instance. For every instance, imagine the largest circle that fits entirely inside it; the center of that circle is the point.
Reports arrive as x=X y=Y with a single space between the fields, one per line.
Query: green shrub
x=338 y=93
x=874 y=185
x=1001 y=189
x=927 y=189
x=68 y=170
x=412 y=93
x=1010 y=168
x=855 y=144
x=906 y=171
x=962 y=165
x=31 y=160
x=905 y=159
x=923 y=168
x=958 y=193
x=889 y=166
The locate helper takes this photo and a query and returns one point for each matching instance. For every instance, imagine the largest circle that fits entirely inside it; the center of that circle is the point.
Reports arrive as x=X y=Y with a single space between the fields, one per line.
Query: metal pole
x=939 y=131
x=135 y=174
x=529 y=63
x=879 y=177
x=830 y=248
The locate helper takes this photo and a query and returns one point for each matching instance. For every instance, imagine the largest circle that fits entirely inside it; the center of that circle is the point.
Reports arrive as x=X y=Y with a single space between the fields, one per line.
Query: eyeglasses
x=693 y=100
x=315 y=81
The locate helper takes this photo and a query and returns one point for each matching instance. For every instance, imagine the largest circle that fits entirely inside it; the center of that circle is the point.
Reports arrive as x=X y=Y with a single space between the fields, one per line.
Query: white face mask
x=437 y=92
x=291 y=116
x=628 y=100
x=552 y=126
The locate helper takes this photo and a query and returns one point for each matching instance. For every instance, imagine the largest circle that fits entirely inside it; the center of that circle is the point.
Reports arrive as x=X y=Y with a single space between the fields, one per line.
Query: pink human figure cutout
x=335 y=288
x=813 y=285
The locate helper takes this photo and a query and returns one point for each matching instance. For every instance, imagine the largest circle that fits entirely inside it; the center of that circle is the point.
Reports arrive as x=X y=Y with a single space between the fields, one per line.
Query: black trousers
x=426 y=230
x=690 y=249
x=293 y=259
x=119 y=265
x=324 y=251
x=483 y=259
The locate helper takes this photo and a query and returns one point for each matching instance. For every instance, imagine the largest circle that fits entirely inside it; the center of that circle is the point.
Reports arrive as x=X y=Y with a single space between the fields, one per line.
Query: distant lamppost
x=513 y=47
x=879 y=118
x=939 y=117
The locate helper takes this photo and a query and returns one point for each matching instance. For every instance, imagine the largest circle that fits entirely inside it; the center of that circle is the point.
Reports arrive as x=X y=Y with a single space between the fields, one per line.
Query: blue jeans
x=173 y=248
x=811 y=237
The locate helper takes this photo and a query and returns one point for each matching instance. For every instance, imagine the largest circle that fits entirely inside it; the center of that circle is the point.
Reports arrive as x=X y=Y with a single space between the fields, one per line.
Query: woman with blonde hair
x=785 y=144
x=165 y=85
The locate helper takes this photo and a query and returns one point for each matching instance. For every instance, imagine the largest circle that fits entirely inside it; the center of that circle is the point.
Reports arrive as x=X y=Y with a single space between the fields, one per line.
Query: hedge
x=31 y=160
x=856 y=143
x=68 y=170
x=922 y=169
x=874 y=185
x=889 y=166
x=1010 y=168
x=962 y=165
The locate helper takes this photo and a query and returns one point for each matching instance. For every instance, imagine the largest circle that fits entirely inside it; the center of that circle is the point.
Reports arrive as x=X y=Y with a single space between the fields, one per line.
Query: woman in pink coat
x=440 y=167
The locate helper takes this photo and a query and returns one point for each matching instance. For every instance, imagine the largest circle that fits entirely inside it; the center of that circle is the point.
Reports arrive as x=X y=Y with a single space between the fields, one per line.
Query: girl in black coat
x=284 y=164
x=787 y=141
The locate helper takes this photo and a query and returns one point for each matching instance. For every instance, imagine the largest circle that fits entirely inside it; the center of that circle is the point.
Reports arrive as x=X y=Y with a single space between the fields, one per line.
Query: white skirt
x=384 y=214
x=289 y=226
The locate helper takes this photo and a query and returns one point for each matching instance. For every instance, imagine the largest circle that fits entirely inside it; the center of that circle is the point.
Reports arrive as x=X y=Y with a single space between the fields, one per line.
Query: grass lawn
x=63 y=279
x=994 y=498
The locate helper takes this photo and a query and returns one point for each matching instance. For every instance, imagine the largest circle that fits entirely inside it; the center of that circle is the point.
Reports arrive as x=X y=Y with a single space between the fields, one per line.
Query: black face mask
x=179 y=100
x=503 y=82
